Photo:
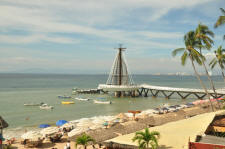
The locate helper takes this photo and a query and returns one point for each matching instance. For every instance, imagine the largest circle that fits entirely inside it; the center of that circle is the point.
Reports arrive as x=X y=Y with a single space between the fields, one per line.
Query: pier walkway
x=182 y=92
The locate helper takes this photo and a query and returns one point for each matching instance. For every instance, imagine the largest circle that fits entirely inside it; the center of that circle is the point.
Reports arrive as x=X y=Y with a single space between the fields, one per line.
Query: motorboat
x=60 y=96
x=33 y=104
x=46 y=107
x=67 y=102
x=102 y=102
x=81 y=99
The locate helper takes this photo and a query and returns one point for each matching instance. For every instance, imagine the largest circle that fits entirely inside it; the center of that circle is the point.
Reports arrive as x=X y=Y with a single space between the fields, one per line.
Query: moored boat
x=33 y=104
x=102 y=102
x=81 y=99
x=67 y=102
x=46 y=107
x=64 y=96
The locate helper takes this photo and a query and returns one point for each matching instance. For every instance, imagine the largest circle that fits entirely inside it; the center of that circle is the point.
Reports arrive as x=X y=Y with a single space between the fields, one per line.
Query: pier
x=167 y=92
x=154 y=91
x=121 y=83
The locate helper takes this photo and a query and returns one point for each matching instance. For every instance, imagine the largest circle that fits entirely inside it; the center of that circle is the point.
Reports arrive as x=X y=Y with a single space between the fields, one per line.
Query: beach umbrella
x=32 y=135
x=95 y=127
x=122 y=116
x=49 y=130
x=105 y=124
x=3 y=123
x=68 y=125
x=61 y=122
x=77 y=131
x=44 y=126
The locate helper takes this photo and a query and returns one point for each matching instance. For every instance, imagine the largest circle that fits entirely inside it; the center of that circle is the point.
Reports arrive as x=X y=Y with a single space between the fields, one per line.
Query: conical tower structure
x=119 y=81
x=119 y=74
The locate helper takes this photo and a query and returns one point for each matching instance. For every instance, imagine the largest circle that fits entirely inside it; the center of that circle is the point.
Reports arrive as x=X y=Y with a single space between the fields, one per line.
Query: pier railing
x=182 y=92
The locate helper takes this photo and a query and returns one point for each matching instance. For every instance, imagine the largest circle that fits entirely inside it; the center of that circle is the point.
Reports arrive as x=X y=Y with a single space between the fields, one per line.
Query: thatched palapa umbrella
x=49 y=131
x=3 y=124
x=134 y=112
x=32 y=135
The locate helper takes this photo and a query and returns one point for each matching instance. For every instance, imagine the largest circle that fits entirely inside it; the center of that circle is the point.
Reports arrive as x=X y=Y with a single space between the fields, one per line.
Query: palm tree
x=190 y=52
x=147 y=138
x=220 y=59
x=203 y=35
x=84 y=140
x=221 y=20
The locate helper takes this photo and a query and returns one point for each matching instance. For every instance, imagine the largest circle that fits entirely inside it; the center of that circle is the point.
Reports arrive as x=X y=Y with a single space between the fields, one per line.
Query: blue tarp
x=44 y=126
x=61 y=122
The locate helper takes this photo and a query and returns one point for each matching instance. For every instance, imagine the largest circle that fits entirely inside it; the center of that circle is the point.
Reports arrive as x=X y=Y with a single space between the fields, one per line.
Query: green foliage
x=190 y=49
x=7 y=146
x=84 y=140
x=221 y=20
x=203 y=34
x=223 y=107
x=219 y=59
x=146 y=139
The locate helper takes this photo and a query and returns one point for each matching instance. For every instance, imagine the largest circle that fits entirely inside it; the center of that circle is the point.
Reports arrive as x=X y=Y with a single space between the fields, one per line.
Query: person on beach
x=67 y=145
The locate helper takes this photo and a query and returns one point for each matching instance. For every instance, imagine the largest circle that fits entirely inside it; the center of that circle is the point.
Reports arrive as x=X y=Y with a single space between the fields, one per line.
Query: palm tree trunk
x=209 y=78
x=203 y=86
x=222 y=74
x=85 y=146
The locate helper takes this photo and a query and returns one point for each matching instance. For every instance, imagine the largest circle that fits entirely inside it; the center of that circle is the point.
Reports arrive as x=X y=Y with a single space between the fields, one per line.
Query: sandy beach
x=180 y=125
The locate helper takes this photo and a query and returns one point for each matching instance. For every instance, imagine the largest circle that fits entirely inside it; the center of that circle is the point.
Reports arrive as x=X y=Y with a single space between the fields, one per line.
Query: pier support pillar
x=117 y=94
x=146 y=93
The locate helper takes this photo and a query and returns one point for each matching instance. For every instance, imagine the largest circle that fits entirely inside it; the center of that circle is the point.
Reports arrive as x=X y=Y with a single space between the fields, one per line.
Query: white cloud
x=73 y=16
x=19 y=39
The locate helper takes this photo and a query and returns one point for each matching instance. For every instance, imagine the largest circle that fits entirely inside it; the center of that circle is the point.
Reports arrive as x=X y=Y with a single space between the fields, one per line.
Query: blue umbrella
x=61 y=122
x=44 y=126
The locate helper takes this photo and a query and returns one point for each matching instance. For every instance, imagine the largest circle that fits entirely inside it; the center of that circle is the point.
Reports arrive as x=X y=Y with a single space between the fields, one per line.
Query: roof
x=181 y=130
x=3 y=123
x=213 y=140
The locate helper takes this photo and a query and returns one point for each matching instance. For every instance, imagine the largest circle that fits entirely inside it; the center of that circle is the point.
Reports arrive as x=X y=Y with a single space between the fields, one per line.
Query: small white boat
x=102 y=102
x=33 y=104
x=46 y=107
x=82 y=99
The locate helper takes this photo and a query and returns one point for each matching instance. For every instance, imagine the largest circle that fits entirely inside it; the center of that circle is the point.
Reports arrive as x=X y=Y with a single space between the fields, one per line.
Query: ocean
x=17 y=89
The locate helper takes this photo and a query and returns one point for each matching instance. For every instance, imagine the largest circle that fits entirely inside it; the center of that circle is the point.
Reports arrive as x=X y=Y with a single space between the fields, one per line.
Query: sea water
x=17 y=89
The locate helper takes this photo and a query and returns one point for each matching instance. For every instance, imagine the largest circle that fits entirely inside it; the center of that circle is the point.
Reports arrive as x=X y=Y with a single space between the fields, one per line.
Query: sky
x=80 y=36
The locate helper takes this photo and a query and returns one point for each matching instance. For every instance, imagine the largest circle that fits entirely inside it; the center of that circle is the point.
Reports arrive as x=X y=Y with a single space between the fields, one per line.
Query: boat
x=64 y=96
x=67 y=102
x=102 y=102
x=46 y=107
x=33 y=104
x=81 y=99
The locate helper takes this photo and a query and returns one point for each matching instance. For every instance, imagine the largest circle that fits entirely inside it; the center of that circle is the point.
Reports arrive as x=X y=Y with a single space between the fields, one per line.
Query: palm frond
x=155 y=133
x=84 y=139
x=223 y=11
x=220 y=21
x=213 y=64
x=178 y=50
x=145 y=138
